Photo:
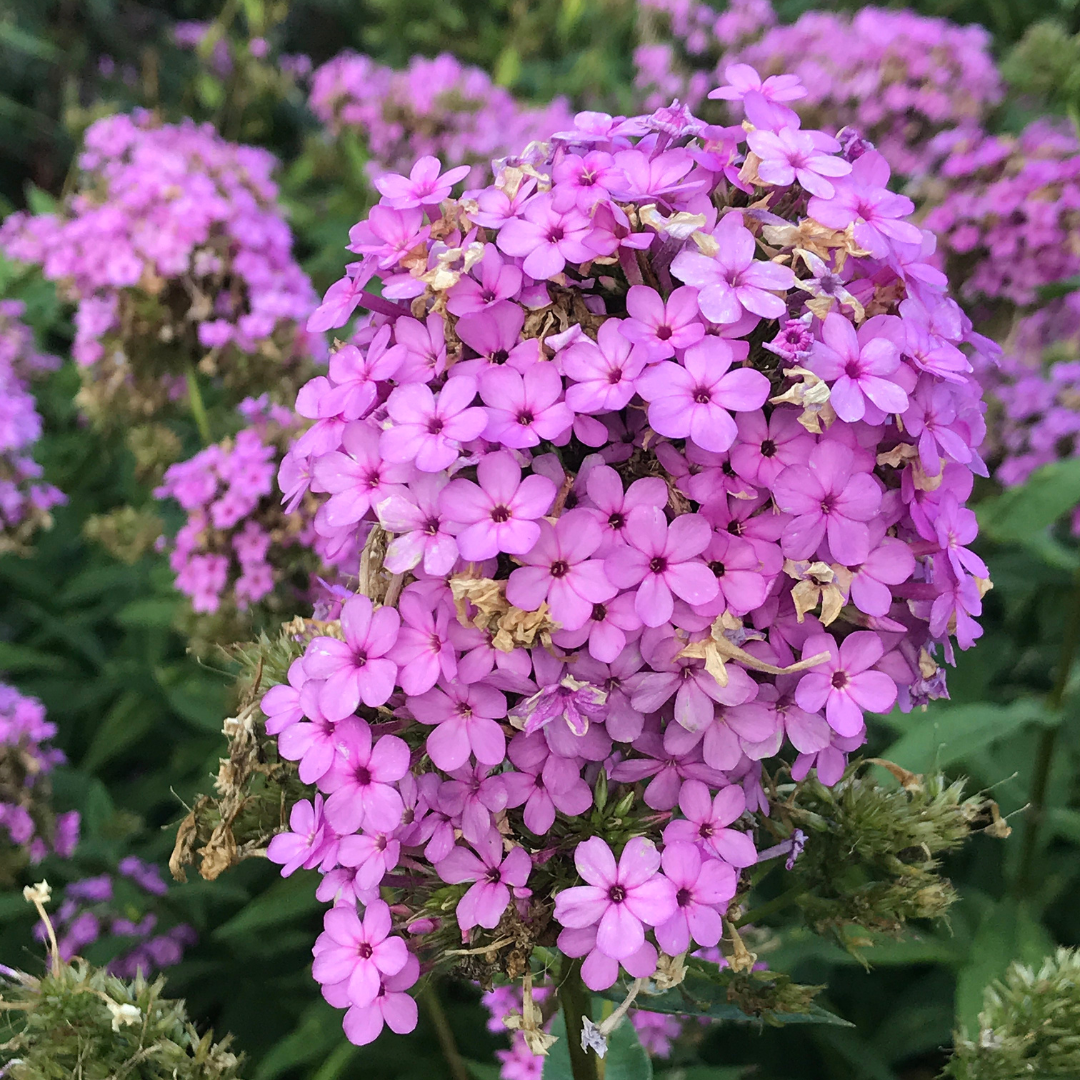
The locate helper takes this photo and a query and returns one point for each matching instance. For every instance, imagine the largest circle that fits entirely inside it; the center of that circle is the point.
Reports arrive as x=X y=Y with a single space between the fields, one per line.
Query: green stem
x=437 y=1015
x=198 y=407
x=576 y=1005
x=1044 y=754
x=772 y=906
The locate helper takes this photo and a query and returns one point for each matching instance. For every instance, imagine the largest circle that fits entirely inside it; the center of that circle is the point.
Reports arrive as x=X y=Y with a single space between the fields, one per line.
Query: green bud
x=600 y=791
x=623 y=806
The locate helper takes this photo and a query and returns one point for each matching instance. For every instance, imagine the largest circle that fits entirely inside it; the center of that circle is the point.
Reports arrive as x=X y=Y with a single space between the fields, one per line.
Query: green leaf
x=20 y=659
x=151 y=612
x=194 y=695
x=125 y=723
x=285 y=900
x=942 y=736
x=557 y=1062
x=1019 y=513
x=626 y=1058
x=315 y=1036
x=482 y=1070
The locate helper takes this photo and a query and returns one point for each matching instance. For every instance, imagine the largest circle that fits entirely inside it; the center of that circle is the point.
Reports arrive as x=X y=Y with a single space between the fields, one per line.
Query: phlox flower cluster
x=172 y=247
x=113 y=912
x=898 y=78
x=1007 y=212
x=25 y=501
x=237 y=545
x=661 y=444
x=434 y=108
x=26 y=759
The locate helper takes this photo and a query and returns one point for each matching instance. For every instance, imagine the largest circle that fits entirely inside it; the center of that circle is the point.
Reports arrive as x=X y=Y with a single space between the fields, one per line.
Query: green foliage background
x=140 y=720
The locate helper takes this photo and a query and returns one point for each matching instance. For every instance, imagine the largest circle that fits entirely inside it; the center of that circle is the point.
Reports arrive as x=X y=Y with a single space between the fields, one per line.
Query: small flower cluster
x=25 y=502
x=237 y=544
x=434 y=108
x=897 y=77
x=173 y=247
x=30 y=827
x=1008 y=219
x=660 y=444
x=99 y=908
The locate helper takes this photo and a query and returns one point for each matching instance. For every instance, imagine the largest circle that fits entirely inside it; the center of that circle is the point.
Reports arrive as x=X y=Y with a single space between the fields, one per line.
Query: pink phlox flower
x=421 y=528
x=931 y=418
x=668 y=770
x=358 y=953
x=569 y=699
x=429 y=430
x=358 y=668
x=389 y=234
x=890 y=562
x=622 y=722
x=706 y=819
x=544 y=783
x=498 y=280
x=392 y=1007
x=494 y=334
x=863 y=199
x=424 y=342
x=470 y=798
x=311 y=744
x=356 y=476
x=857 y=365
x=612 y=505
x=340 y=301
x=423 y=652
x=742 y=579
x=546 y=239
x=620 y=899
x=603 y=372
x=845 y=684
x=281 y=704
x=830 y=761
x=825 y=283
x=496 y=208
x=599 y=971
x=957 y=526
x=743 y=79
x=372 y=856
x=493 y=875
x=607 y=629
x=695 y=399
x=661 y=561
x=500 y=512
x=954 y=608
x=436 y=829
x=828 y=498
x=361 y=781
x=466 y=716
x=660 y=327
x=788 y=156
x=356 y=375
x=660 y=176
x=581 y=181
x=703 y=887
x=733 y=281
x=307 y=843
x=524 y=408
x=560 y=569
x=425 y=184
x=764 y=448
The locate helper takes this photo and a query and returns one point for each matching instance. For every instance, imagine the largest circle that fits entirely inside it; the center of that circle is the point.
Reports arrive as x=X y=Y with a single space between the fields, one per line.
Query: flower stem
x=1044 y=754
x=576 y=1005
x=770 y=907
x=437 y=1015
x=198 y=407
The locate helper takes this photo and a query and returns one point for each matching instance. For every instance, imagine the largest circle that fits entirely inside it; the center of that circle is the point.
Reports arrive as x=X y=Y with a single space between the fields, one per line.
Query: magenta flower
x=657 y=327
x=356 y=376
x=500 y=512
x=392 y=1007
x=788 y=155
x=423 y=652
x=426 y=183
x=361 y=781
x=843 y=685
x=416 y=517
x=358 y=953
x=696 y=399
x=607 y=629
x=603 y=371
x=668 y=770
x=611 y=505
x=493 y=875
x=546 y=239
x=427 y=430
x=702 y=889
x=524 y=408
x=707 y=820
x=764 y=448
x=470 y=798
x=544 y=783
x=957 y=526
x=857 y=365
x=307 y=843
x=560 y=570
x=371 y=856
x=498 y=280
x=583 y=181
x=467 y=718
x=828 y=498
x=281 y=704
x=425 y=348
x=890 y=563
x=743 y=80
x=621 y=900
x=356 y=669
x=494 y=334
x=662 y=562
x=733 y=281
x=341 y=300
x=310 y=744
x=932 y=419
x=599 y=971
x=357 y=478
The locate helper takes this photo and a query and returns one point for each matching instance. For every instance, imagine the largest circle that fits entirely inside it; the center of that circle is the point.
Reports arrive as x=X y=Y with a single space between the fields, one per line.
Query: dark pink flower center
x=827 y=505
x=717 y=568
x=560 y=568
x=734 y=527
x=499 y=356
x=364 y=950
x=525 y=418
x=494 y=875
x=599 y=613
x=839 y=679
x=702 y=396
x=555 y=234
x=664 y=332
x=499 y=514
x=435 y=425
x=705 y=830
x=363 y=775
x=616 y=520
x=684 y=897
x=615 y=376
x=359 y=658
x=768 y=448
x=853 y=369
x=616 y=894
x=431 y=526
x=658 y=564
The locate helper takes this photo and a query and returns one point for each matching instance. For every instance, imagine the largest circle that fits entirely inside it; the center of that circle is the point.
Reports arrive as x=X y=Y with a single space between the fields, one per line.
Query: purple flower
x=659 y=327
x=560 y=570
x=696 y=398
x=621 y=900
x=424 y=184
x=392 y=1007
x=524 y=408
x=733 y=281
x=466 y=718
x=358 y=953
x=546 y=239
x=499 y=280
x=356 y=669
x=788 y=155
x=544 y=783
x=843 y=685
x=494 y=334
x=707 y=820
x=501 y=511
x=307 y=843
x=420 y=524
x=603 y=372
x=427 y=430
x=743 y=79
x=423 y=652
x=493 y=875
x=764 y=448
x=702 y=887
